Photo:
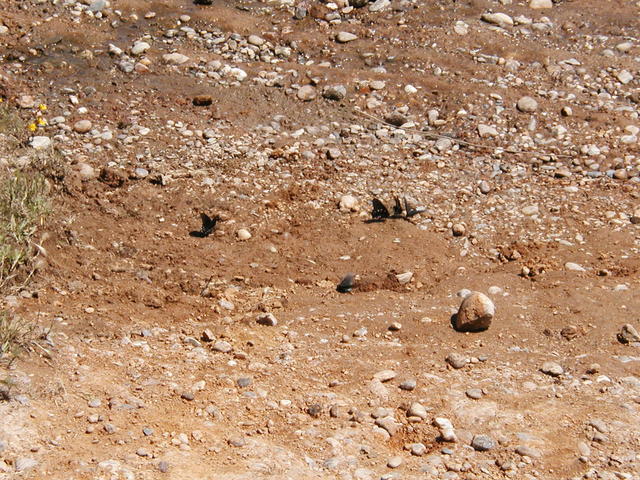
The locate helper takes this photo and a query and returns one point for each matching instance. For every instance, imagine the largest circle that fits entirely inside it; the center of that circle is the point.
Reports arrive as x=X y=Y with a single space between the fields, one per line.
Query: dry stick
x=459 y=140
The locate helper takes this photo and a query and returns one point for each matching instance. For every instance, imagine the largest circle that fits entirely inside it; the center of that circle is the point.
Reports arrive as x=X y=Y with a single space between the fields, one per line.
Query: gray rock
x=40 y=142
x=527 y=451
x=389 y=424
x=417 y=410
x=307 y=93
x=527 y=104
x=628 y=334
x=267 y=319
x=474 y=393
x=482 y=443
x=417 y=449
x=475 y=313
x=345 y=37
x=244 y=382
x=408 y=385
x=379 y=5
x=334 y=92
x=394 y=462
x=447 y=433
x=97 y=6
x=24 y=463
x=94 y=403
x=501 y=19
x=222 y=346
x=175 y=58
x=456 y=360
x=163 y=466
x=552 y=369
x=255 y=40
x=384 y=375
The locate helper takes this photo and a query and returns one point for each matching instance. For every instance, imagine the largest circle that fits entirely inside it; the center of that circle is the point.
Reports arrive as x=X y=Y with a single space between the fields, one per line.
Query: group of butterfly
x=380 y=212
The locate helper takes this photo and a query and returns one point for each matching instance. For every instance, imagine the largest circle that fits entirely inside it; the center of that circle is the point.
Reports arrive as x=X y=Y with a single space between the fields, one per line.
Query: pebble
x=417 y=410
x=82 y=126
x=408 y=385
x=139 y=48
x=474 y=393
x=486 y=131
x=394 y=462
x=500 y=19
x=334 y=92
x=475 y=313
x=485 y=187
x=574 y=267
x=418 y=449
x=222 y=346
x=348 y=203
x=175 y=58
x=307 y=93
x=189 y=396
x=267 y=319
x=530 y=210
x=40 y=142
x=446 y=429
x=538 y=4
x=395 y=326
x=628 y=334
x=94 y=403
x=24 y=463
x=384 y=375
x=243 y=234
x=624 y=77
x=526 y=451
x=163 y=466
x=86 y=171
x=389 y=424
x=552 y=369
x=527 y=104
x=458 y=229
x=237 y=441
x=255 y=40
x=456 y=360
x=482 y=443
x=345 y=37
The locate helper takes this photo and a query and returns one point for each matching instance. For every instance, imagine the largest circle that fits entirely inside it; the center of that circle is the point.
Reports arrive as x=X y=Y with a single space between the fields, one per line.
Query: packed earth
x=347 y=240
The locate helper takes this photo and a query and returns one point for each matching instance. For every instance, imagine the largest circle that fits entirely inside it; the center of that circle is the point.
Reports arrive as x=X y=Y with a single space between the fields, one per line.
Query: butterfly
x=208 y=226
x=379 y=212
x=347 y=283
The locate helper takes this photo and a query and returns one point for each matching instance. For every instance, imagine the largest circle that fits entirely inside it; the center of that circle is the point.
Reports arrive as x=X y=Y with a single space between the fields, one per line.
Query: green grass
x=24 y=204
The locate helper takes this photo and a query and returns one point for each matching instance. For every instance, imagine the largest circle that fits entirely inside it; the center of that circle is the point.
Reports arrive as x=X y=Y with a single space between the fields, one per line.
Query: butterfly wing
x=379 y=212
x=397 y=208
x=208 y=224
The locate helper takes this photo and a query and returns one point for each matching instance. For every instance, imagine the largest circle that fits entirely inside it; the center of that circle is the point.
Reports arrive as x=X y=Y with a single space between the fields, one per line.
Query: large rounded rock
x=475 y=313
x=527 y=104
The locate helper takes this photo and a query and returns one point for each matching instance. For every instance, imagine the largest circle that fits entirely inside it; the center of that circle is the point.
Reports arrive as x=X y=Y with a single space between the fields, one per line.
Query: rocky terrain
x=507 y=130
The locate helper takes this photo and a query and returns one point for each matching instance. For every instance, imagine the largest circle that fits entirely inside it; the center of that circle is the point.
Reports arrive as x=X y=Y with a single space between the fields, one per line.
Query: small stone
x=40 y=142
x=147 y=431
x=202 y=100
x=396 y=119
x=458 y=229
x=447 y=433
x=139 y=48
x=394 y=462
x=24 y=463
x=163 y=466
x=26 y=101
x=408 y=385
x=527 y=105
x=345 y=37
x=527 y=451
x=624 y=77
x=482 y=443
x=175 y=58
x=384 y=375
x=485 y=187
x=110 y=428
x=456 y=360
x=255 y=40
x=237 y=442
x=348 y=203
x=404 y=278
x=82 y=126
x=539 y=4
x=333 y=153
x=574 y=267
x=417 y=410
x=188 y=396
x=593 y=368
x=306 y=93
x=222 y=346
x=389 y=424
x=474 y=393
x=267 y=319
x=530 y=210
x=244 y=382
x=486 y=131
x=243 y=234
x=418 y=449
x=86 y=171
x=334 y=92
x=501 y=19
x=475 y=313
x=94 y=403
x=552 y=369
x=395 y=326
x=628 y=334
x=314 y=410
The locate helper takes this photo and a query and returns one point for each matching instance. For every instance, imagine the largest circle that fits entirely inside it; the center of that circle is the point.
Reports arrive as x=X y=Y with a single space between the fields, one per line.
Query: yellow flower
x=42 y=107
x=42 y=122
x=32 y=127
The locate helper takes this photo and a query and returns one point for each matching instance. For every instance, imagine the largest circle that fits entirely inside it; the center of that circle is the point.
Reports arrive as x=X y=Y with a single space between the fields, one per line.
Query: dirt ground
x=156 y=364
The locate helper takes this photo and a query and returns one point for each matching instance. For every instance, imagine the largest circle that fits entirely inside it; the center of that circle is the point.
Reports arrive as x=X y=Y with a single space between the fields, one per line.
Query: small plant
x=23 y=206
x=16 y=335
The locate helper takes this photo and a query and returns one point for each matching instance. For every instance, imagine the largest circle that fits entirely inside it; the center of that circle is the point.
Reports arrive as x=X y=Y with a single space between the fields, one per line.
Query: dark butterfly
x=379 y=211
x=347 y=283
x=208 y=226
x=397 y=208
